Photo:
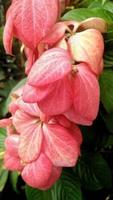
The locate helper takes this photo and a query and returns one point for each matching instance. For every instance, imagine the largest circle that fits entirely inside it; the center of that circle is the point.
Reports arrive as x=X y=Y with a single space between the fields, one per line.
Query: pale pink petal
x=95 y=23
x=37 y=173
x=63 y=121
x=77 y=134
x=55 y=175
x=5 y=122
x=31 y=109
x=62 y=44
x=12 y=144
x=86 y=97
x=53 y=65
x=11 y=129
x=8 y=124
x=13 y=107
x=30 y=144
x=12 y=163
x=59 y=100
x=76 y=118
x=88 y=46
x=60 y=145
x=29 y=16
x=33 y=94
x=30 y=94
x=56 y=34
x=23 y=121
x=31 y=136
x=8 y=35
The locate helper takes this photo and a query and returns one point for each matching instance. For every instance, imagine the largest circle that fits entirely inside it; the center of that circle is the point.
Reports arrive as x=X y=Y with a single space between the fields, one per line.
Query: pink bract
x=41 y=145
x=39 y=174
x=88 y=47
x=31 y=29
x=37 y=135
x=58 y=82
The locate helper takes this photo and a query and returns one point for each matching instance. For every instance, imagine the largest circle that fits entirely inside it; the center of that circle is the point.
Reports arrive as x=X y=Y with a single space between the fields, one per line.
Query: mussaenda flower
x=29 y=21
x=41 y=145
x=57 y=85
x=39 y=174
x=64 y=80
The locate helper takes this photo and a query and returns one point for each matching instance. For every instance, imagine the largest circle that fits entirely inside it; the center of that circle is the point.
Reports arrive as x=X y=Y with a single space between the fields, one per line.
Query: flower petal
x=55 y=175
x=13 y=107
x=8 y=35
x=30 y=136
x=57 y=33
x=95 y=23
x=60 y=145
x=31 y=109
x=12 y=144
x=88 y=46
x=30 y=94
x=12 y=163
x=59 y=100
x=77 y=134
x=37 y=173
x=26 y=28
x=86 y=97
x=33 y=94
x=53 y=65
x=63 y=121
x=5 y=122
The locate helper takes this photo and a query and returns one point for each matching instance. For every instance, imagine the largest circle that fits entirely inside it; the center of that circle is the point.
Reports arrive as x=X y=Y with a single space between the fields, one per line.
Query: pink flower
x=39 y=174
x=57 y=85
x=64 y=79
x=41 y=145
x=83 y=39
x=41 y=133
x=29 y=21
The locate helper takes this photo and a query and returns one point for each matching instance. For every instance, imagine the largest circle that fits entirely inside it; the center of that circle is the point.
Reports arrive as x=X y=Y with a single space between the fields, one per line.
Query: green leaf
x=109 y=142
x=1 y=34
x=19 y=85
x=106 y=89
x=14 y=179
x=35 y=194
x=2 y=139
x=109 y=6
x=66 y=188
x=3 y=178
x=7 y=88
x=108 y=59
x=108 y=53
x=84 y=13
x=83 y=3
x=108 y=37
x=108 y=119
x=6 y=103
x=106 y=4
x=94 y=172
x=2 y=75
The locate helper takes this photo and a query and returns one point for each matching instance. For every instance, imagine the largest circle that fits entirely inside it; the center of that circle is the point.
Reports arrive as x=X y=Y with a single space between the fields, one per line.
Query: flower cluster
x=38 y=145
x=64 y=61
